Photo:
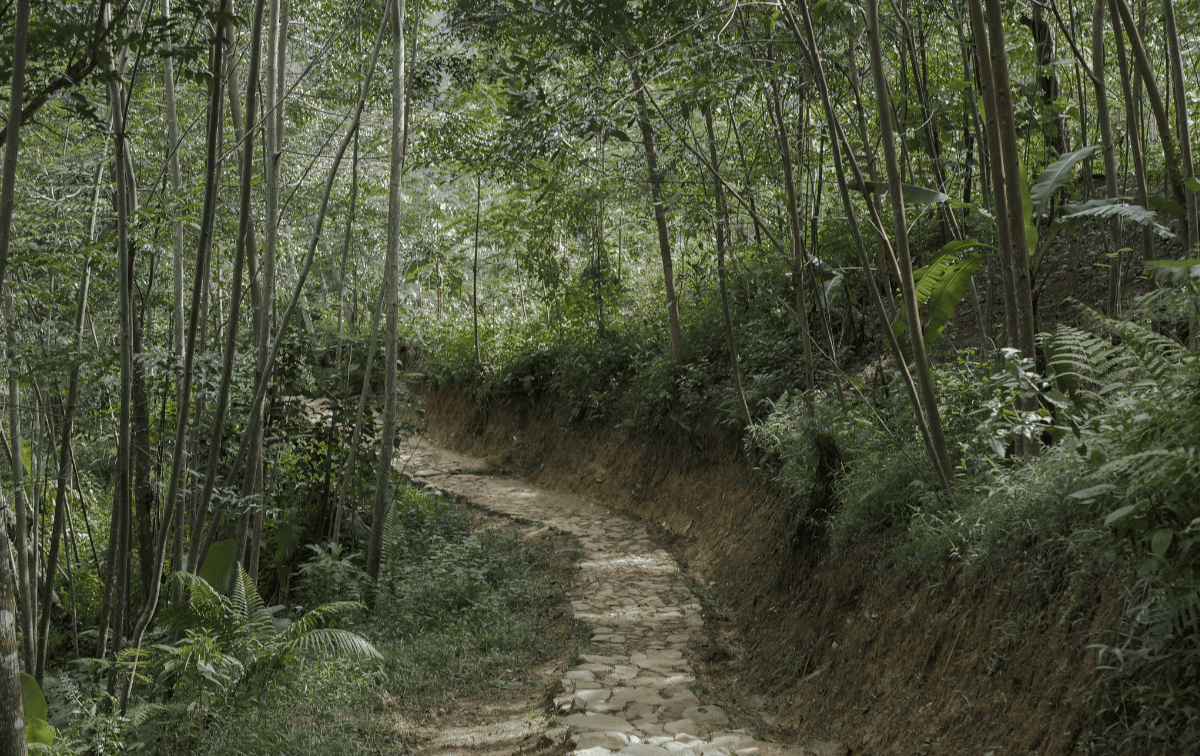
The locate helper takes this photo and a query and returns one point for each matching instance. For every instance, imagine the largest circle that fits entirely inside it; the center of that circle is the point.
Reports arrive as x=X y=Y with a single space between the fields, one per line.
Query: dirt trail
x=632 y=693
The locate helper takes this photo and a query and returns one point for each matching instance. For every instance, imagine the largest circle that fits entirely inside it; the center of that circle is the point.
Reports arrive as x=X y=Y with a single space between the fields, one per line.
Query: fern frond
x=247 y=605
x=139 y=713
x=204 y=607
x=335 y=642
x=314 y=618
x=1158 y=356
x=1082 y=363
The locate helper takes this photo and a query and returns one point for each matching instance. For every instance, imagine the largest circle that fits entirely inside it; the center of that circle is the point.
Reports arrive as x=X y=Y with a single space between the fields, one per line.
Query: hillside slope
x=816 y=643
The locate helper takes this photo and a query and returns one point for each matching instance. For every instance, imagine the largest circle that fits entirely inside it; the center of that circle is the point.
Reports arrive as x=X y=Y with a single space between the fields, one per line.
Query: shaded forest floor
x=815 y=644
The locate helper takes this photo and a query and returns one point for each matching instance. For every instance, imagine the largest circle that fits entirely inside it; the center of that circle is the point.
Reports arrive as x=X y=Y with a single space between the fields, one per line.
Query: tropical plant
x=227 y=639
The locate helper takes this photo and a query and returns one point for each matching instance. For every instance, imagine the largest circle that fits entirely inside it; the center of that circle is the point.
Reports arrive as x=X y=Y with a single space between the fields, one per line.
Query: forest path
x=632 y=692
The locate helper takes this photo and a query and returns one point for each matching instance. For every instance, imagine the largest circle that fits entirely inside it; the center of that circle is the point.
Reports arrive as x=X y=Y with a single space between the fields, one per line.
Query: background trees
x=620 y=181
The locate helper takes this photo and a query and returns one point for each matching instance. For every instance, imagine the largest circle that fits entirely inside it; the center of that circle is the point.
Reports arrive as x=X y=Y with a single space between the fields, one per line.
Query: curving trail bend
x=632 y=693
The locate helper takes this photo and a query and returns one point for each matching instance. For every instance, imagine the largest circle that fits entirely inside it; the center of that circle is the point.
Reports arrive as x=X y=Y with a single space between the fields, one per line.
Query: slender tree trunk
x=475 y=275
x=1131 y=91
x=1157 y=109
x=1104 y=123
x=207 y=220
x=26 y=583
x=916 y=338
x=871 y=198
x=1182 y=126
x=12 y=142
x=122 y=489
x=797 y=232
x=841 y=151
x=255 y=415
x=12 y=741
x=245 y=240
x=64 y=468
x=391 y=274
x=348 y=475
x=660 y=215
x=722 y=231
x=1009 y=155
x=1046 y=44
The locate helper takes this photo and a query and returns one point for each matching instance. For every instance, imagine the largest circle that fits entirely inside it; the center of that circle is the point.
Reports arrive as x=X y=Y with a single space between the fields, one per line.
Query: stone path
x=634 y=692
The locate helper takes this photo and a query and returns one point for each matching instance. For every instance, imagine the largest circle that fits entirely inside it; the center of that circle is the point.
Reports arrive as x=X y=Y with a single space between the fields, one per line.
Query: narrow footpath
x=634 y=691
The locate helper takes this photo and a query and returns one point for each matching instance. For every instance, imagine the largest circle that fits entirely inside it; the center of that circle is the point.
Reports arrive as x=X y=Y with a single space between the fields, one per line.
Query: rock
x=588 y=699
x=622 y=697
x=609 y=740
x=727 y=742
x=752 y=751
x=594 y=752
x=597 y=723
x=596 y=659
x=681 y=727
x=644 y=749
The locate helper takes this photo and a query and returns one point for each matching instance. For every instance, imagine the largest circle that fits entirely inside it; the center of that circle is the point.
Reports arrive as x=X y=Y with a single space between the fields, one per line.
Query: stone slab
x=597 y=723
x=606 y=740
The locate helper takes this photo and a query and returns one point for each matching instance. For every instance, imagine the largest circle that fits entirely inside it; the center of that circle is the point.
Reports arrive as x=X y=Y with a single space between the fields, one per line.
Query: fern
x=334 y=642
x=1083 y=364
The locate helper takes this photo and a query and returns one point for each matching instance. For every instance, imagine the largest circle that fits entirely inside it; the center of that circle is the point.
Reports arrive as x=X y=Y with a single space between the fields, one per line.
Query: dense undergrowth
x=1112 y=491
x=462 y=607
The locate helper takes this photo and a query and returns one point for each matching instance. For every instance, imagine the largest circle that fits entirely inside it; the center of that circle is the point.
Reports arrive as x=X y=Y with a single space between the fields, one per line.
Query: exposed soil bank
x=809 y=642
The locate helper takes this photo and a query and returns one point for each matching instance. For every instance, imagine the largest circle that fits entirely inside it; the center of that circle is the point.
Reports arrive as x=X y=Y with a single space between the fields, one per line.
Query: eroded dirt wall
x=809 y=642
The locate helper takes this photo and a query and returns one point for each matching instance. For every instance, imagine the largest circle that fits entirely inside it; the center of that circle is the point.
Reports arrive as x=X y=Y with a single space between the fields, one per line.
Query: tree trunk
x=348 y=475
x=1157 y=109
x=722 y=231
x=26 y=582
x=391 y=274
x=64 y=468
x=260 y=392
x=660 y=215
x=1181 y=123
x=797 y=233
x=916 y=339
x=1009 y=156
x=12 y=743
x=12 y=142
x=806 y=36
x=1046 y=44
x=871 y=198
x=1130 y=90
x=1104 y=123
x=475 y=275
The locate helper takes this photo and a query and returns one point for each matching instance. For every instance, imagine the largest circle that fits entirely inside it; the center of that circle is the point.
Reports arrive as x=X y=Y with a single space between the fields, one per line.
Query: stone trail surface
x=633 y=694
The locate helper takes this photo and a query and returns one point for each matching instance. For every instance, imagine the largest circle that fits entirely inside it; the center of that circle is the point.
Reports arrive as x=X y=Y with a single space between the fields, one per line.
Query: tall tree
x=391 y=274
x=660 y=214
x=907 y=286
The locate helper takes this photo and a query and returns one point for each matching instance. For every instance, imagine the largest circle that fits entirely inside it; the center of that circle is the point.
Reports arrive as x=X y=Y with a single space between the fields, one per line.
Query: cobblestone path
x=633 y=693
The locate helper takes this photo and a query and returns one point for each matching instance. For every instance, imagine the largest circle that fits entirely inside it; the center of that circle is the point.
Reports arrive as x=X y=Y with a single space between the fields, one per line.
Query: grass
x=465 y=606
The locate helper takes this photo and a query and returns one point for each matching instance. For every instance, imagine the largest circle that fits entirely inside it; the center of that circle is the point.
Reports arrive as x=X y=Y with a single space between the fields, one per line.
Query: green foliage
x=37 y=728
x=332 y=575
x=941 y=285
x=455 y=607
x=1055 y=177
x=228 y=639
